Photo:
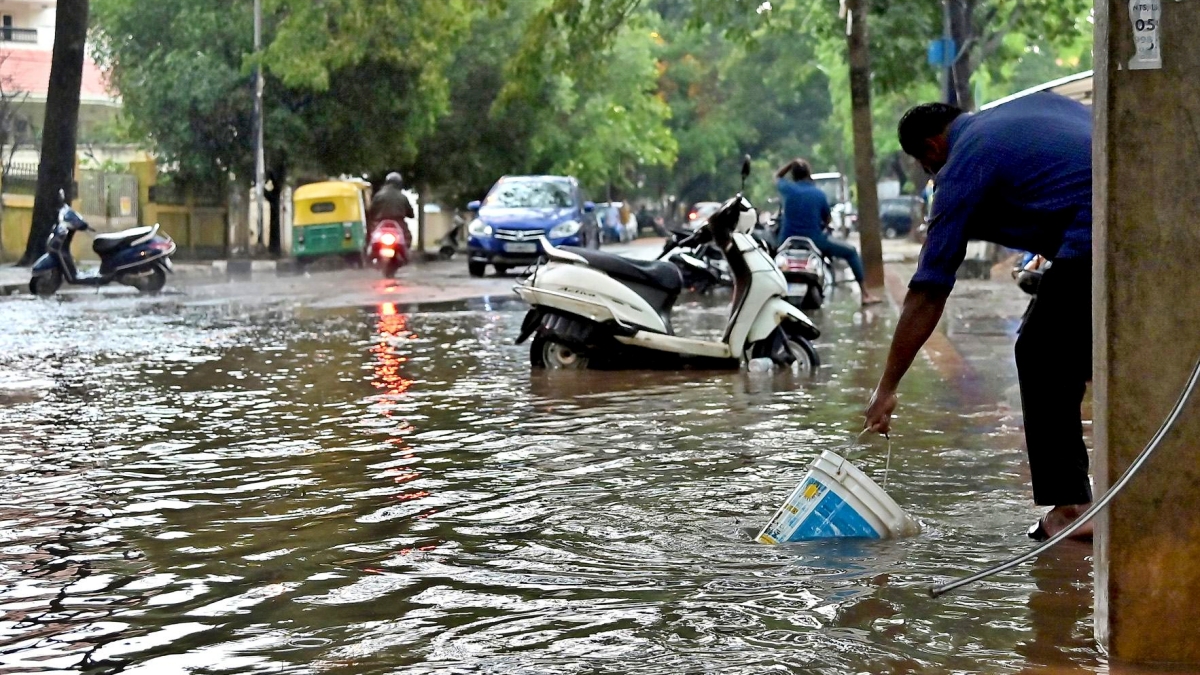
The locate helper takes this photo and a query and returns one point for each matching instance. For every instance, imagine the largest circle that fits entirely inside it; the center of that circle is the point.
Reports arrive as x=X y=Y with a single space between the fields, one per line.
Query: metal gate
x=108 y=201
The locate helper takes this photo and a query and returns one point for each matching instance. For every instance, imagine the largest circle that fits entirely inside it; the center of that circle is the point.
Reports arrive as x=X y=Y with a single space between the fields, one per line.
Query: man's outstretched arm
x=922 y=310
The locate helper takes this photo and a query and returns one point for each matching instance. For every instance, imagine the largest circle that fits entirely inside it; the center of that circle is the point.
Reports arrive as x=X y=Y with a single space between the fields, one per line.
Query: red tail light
x=388 y=239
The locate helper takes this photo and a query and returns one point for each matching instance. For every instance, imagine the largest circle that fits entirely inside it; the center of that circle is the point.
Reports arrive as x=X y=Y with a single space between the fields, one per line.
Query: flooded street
x=276 y=487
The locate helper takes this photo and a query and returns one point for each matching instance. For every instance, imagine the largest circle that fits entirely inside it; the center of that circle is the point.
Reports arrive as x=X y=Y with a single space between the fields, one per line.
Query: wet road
x=196 y=485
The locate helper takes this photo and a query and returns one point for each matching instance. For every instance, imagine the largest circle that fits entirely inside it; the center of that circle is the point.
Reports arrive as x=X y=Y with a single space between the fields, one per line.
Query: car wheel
x=501 y=270
x=476 y=269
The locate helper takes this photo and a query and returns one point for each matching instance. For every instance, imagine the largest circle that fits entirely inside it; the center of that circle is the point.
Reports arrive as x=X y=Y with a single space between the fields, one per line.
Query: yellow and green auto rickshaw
x=330 y=219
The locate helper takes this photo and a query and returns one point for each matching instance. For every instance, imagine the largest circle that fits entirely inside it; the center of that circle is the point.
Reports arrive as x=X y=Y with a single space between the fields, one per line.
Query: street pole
x=259 y=158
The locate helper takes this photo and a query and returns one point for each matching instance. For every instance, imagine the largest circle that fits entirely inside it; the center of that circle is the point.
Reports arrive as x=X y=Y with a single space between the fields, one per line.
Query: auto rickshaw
x=330 y=219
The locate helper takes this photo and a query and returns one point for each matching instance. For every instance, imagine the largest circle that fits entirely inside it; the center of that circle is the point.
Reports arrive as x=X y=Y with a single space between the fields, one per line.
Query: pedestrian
x=1019 y=175
x=806 y=214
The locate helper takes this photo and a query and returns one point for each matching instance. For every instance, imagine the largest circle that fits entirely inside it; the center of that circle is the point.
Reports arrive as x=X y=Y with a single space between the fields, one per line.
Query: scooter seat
x=103 y=243
x=661 y=275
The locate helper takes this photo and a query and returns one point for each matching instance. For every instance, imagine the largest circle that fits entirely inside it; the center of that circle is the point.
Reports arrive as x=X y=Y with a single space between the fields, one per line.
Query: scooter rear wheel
x=553 y=355
x=148 y=282
x=46 y=285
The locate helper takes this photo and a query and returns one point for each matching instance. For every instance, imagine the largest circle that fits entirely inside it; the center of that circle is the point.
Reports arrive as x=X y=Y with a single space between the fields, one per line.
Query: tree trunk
x=864 y=145
x=963 y=31
x=278 y=177
x=57 y=166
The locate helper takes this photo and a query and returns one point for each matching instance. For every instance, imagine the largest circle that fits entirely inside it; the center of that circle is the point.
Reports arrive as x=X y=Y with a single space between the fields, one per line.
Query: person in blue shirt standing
x=1019 y=175
x=806 y=214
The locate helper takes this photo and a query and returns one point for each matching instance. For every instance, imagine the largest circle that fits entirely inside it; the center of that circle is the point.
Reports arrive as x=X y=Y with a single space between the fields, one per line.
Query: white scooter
x=598 y=310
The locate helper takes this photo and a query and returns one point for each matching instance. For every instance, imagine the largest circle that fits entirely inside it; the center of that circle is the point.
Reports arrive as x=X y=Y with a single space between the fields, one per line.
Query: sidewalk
x=974 y=340
x=16 y=279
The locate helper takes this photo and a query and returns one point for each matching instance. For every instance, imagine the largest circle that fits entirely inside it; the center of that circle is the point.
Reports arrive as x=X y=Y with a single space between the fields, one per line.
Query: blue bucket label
x=815 y=512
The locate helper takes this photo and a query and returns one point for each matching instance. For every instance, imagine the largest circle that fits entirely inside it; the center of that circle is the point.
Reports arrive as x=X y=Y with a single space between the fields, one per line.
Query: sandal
x=1037 y=531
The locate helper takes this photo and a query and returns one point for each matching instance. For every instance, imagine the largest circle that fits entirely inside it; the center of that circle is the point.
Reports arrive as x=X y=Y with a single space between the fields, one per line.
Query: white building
x=26 y=47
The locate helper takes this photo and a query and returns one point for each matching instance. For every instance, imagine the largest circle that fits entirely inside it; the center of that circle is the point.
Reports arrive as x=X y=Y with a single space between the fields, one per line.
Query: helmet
x=394 y=178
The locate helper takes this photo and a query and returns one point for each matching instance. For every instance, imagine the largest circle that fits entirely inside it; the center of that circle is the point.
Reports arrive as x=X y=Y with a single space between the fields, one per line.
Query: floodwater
x=242 y=488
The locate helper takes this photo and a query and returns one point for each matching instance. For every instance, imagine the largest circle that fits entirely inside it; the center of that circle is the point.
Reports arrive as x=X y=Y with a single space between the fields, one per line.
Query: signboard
x=1146 y=17
x=942 y=52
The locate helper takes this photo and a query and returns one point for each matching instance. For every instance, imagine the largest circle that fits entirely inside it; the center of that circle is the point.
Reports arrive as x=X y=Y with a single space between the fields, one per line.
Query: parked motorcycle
x=703 y=267
x=138 y=257
x=451 y=244
x=387 y=248
x=1028 y=272
x=810 y=276
x=596 y=310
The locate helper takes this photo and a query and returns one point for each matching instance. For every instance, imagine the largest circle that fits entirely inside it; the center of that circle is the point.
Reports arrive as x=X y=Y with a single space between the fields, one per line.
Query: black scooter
x=138 y=257
x=703 y=266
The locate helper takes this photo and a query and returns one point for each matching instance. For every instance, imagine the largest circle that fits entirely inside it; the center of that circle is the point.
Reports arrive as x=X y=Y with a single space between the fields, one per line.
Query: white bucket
x=835 y=499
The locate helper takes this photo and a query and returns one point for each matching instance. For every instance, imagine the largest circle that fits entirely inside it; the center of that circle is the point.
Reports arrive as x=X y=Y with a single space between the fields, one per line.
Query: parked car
x=899 y=215
x=518 y=211
x=698 y=215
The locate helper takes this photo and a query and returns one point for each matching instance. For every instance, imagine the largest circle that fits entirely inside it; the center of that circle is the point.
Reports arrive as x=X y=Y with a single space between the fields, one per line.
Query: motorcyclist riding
x=390 y=203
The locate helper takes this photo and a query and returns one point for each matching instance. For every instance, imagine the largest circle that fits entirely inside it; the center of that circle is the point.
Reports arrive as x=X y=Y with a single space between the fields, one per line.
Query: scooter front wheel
x=553 y=355
x=807 y=361
x=46 y=285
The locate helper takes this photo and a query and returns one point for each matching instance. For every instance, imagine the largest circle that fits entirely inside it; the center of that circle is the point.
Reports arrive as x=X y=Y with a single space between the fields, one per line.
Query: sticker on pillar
x=1146 y=17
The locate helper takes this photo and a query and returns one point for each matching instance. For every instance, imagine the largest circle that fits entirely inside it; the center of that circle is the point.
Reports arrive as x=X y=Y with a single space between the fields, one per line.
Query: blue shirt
x=805 y=209
x=1019 y=175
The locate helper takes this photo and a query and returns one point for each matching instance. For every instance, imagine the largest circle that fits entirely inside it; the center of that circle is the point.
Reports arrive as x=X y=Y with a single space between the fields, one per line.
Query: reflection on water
x=240 y=489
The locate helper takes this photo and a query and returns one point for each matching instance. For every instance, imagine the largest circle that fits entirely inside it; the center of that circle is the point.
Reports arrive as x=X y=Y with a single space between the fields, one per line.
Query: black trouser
x=1054 y=365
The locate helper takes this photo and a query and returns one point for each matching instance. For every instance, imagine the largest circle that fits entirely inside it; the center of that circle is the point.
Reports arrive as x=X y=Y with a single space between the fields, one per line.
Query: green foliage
x=349 y=87
x=651 y=97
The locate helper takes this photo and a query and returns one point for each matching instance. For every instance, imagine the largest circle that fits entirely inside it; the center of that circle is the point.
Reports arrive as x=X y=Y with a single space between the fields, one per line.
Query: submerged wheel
x=501 y=270
x=807 y=361
x=554 y=355
x=146 y=281
x=476 y=269
x=390 y=269
x=46 y=285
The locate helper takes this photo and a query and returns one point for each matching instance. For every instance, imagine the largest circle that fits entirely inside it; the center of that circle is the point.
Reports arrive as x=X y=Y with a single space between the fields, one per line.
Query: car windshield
x=706 y=209
x=530 y=194
x=832 y=187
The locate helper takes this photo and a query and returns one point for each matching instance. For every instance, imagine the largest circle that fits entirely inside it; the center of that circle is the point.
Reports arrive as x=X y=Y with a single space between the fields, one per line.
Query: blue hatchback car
x=518 y=211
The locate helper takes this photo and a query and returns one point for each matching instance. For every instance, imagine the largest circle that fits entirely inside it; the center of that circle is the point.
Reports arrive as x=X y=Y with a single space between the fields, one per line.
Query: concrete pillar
x=1147 y=319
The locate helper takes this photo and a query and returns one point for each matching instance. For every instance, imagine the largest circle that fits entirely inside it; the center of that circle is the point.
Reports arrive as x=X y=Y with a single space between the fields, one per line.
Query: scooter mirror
x=745 y=167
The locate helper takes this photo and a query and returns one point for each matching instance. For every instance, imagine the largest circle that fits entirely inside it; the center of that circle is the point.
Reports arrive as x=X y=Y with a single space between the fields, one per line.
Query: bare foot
x=870 y=299
x=1058 y=519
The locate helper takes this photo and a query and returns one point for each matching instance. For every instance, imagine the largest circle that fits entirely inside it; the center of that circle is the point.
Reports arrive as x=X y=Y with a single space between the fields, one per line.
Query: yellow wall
x=200 y=232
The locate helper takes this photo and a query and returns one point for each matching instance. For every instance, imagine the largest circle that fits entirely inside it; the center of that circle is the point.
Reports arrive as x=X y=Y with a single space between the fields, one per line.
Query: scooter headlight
x=565 y=229
x=478 y=228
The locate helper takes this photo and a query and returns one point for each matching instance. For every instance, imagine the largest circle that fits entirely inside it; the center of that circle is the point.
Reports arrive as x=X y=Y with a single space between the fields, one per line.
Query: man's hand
x=879 y=412
x=785 y=169
x=918 y=318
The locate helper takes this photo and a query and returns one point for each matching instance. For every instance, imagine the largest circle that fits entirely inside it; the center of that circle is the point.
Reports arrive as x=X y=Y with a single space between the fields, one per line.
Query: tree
x=864 y=143
x=351 y=86
x=979 y=29
x=56 y=169
x=11 y=100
